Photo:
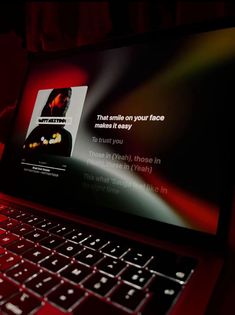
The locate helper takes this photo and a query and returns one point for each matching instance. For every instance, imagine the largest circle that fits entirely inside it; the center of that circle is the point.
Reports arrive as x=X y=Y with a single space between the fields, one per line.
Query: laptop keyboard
x=48 y=266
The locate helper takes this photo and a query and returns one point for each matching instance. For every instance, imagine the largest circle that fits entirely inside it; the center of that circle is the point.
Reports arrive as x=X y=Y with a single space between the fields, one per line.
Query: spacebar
x=93 y=305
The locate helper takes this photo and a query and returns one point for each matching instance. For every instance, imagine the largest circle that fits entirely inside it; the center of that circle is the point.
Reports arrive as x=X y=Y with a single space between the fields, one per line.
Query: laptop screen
x=132 y=129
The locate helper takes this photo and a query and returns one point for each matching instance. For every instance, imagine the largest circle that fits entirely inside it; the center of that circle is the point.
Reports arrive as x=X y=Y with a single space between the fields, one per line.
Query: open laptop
x=115 y=179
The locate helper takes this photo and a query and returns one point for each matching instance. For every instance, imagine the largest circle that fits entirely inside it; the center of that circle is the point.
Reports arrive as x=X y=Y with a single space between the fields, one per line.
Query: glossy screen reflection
x=147 y=142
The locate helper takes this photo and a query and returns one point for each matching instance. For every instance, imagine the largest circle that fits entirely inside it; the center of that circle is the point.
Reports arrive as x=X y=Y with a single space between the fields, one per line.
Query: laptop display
x=141 y=123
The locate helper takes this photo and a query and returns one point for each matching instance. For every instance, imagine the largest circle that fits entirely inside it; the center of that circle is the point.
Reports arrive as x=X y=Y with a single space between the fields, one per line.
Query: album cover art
x=55 y=120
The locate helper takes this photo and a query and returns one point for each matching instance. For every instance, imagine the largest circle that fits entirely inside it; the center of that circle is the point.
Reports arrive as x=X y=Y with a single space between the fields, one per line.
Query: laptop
x=115 y=179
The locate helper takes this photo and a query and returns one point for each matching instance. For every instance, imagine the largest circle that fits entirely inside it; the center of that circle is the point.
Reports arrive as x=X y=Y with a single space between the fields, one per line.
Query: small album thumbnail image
x=55 y=121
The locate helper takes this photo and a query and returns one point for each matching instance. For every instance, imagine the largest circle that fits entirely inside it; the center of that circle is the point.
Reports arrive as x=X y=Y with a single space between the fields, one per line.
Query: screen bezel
x=155 y=229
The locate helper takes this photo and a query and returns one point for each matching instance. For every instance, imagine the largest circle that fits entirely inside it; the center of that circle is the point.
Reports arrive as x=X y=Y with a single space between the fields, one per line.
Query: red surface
x=2 y=218
x=49 y=309
x=1 y=149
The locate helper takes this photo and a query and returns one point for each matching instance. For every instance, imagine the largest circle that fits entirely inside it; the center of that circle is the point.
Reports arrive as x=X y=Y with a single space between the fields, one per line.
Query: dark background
x=51 y=26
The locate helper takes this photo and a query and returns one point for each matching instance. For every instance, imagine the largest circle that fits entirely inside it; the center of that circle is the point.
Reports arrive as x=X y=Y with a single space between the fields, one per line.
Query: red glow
x=1 y=149
x=59 y=76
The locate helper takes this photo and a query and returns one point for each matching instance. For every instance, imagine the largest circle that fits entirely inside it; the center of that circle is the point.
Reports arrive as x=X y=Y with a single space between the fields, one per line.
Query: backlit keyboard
x=47 y=265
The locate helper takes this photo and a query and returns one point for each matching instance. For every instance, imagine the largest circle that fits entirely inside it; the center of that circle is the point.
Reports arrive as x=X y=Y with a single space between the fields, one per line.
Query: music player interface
x=130 y=129
x=53 y=128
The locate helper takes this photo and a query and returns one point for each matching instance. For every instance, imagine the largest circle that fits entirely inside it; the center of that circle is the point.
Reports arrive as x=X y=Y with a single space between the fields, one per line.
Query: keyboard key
x=76 y=272
x=36 y=235
x=162 y=258
x=55 y=262
x=111 y=266
x=7 y=289
x=8 y=238
x=165 y=292
x=22 y=215
x=48 y=308
x=2 y=231
x=23 y=271
x=46 y=225
x=2 y=207
x=22 y=303
x=32 y=220
x=52 y=241
x=136 y=257
x=22 y=229
x=94 y=242
x=136 y=276
x=8 y=260
x=172 y=265
x=37 y=254
x=77 y=236
x=20 y=246
x=60 y=230
x=89 y=257
x=10 y=212
x=9 y=224
x=2 y=250
x=66 y=295
x=100 y=283
x=42 y=283
x=161 y=285
x=92 y=303
x=114 y=249
x=69 y=249
x=128 y=296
